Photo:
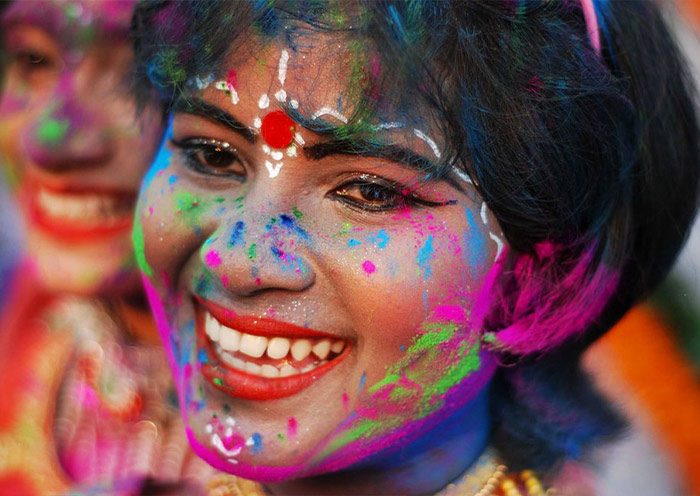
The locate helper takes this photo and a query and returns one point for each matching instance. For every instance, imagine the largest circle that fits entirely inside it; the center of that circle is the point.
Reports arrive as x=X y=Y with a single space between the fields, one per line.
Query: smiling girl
x=379 y=236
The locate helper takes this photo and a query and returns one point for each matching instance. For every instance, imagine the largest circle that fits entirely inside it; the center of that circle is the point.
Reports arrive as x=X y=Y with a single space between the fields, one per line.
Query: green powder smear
x=139 y=247
x=52 y=131
x=251 y=252
x=409 y=384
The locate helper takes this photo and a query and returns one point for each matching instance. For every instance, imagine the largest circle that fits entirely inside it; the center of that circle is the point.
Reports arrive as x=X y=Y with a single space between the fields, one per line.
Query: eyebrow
x=364 y=148
x=197 y=106
x=361 y=147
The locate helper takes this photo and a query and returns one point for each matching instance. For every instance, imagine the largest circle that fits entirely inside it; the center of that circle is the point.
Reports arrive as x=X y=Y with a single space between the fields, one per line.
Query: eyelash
x=191 y=148
x=403 y=199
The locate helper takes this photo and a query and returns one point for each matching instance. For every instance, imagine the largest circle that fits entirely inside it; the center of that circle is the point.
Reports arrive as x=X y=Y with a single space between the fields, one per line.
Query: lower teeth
x=269 y=371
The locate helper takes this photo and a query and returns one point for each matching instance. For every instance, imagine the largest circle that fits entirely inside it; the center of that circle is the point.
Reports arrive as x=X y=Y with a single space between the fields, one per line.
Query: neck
x=423 y=467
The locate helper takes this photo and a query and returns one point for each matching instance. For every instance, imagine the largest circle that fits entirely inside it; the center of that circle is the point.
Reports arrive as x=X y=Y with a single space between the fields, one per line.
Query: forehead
x=322 y=77
x=78 y=21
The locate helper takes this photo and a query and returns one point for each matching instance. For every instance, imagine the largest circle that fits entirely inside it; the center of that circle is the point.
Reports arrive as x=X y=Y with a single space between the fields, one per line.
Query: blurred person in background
x=86 y=398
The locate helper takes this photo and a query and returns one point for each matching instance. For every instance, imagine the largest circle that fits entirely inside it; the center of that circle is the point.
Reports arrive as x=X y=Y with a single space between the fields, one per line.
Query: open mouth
x=262 y=359
x=76 y=214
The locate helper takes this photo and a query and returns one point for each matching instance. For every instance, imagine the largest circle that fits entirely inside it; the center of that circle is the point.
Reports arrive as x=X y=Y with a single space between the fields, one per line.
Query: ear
x=539 y=300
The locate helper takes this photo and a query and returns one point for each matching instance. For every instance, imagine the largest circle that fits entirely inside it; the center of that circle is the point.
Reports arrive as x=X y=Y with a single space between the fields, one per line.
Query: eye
x=212 y=157
x=32 y=62
x=375 y=194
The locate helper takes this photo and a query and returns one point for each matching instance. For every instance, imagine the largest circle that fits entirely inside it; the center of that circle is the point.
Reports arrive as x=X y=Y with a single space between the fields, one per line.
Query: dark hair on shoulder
x=589 y=163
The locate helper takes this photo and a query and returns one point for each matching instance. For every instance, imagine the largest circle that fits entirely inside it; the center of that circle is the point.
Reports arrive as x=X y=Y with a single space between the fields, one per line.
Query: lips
x=262 y=359
x=81 y=214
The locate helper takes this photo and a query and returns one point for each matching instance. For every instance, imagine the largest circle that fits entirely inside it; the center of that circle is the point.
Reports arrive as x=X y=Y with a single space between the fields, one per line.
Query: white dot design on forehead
x=274 y=163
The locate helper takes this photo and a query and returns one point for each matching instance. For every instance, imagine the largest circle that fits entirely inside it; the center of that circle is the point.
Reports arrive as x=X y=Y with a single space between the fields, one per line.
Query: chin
x=85 y=270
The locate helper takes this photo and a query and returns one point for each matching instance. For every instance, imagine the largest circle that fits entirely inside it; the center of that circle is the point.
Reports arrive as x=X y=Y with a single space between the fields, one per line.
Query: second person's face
x=70 y=142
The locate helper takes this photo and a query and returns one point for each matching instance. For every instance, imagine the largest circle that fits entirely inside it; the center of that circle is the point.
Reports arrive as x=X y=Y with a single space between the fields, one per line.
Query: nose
x=69 y=134
x=253 y=256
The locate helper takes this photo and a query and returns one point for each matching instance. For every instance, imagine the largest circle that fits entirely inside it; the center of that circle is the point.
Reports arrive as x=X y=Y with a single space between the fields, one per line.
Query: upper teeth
x=83 y=207
x=276 y=348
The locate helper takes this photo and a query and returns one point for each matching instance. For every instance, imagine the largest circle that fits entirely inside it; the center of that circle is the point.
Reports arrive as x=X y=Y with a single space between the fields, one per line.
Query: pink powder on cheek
x=224 y=280
x=346 y=401
x=368 y=267
x=291 y=427
x=212 y=258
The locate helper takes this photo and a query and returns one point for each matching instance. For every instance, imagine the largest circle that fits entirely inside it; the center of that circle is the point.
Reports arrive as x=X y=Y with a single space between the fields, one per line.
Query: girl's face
x=70 y=142
x=318 y=305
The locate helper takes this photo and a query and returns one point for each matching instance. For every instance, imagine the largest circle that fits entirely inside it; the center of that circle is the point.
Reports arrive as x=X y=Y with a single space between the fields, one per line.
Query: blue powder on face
x=172 y=179
x=203 y=358
x=162 y=160
x=381 y=239
x=474 y=244
x=237 y=234
x=425 y=256
x=257 y=443
x=353 y=242
x=363 y=379
x=290 y=223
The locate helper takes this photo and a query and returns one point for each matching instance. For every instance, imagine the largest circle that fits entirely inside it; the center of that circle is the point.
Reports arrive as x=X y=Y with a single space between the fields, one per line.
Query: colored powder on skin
x=233 y=442
x=189 y=207
x=251 y=252
x=291 y=224
x=381 y=239
x=354 y=242
x=212 y=258
x=363 y=380
x=476 y=250
x=406 y=383
x=346 y=401
x=161 y=162
x=280 y=436
x=237 y=234
x=217 y=381
x=140 y=247
x=291 y=427
x=297 y=213
x=425 y=256
x=232 y=79
x=172 y=179
x=255 y=442
x=224 y=280
x=203 y=358
x=52 y=131
x=368 y=267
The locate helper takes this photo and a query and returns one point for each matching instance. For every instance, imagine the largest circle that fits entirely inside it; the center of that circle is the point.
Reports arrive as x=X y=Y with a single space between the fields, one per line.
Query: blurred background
x=649 y=364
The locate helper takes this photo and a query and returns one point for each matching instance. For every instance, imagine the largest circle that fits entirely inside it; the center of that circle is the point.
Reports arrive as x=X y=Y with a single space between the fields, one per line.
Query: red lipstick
x=241 y=384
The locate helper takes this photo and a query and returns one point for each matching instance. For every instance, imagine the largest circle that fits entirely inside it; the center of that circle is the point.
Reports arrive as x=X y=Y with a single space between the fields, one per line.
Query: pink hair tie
x=591 y=24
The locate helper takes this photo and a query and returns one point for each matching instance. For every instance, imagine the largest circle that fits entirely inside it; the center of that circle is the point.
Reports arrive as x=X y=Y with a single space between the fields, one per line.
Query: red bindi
x=277 y=129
